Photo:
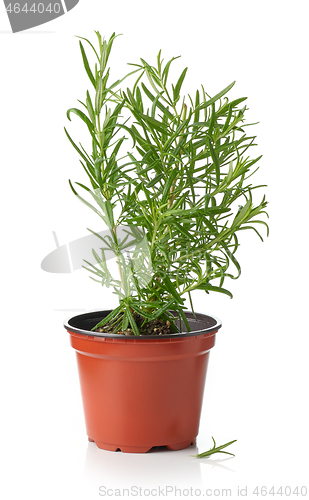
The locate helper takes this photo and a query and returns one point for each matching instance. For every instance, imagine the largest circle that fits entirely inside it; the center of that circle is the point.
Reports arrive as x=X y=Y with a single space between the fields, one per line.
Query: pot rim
x=214 y=327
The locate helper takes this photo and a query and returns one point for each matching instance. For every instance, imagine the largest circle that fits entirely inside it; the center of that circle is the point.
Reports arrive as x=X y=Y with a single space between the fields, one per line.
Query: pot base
x=141 y=449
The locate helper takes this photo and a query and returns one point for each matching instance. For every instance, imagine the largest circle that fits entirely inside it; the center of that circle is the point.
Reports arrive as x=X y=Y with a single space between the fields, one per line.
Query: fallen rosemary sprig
x=215 y=449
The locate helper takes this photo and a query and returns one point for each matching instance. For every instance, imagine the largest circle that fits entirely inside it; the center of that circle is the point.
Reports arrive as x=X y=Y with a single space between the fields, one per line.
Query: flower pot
x=142 y=391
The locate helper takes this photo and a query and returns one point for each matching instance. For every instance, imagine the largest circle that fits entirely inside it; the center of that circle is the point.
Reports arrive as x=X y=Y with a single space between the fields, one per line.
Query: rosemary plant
x=180 y=191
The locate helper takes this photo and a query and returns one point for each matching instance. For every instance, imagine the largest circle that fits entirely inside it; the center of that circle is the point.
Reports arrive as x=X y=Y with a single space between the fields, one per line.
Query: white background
x=257 y=383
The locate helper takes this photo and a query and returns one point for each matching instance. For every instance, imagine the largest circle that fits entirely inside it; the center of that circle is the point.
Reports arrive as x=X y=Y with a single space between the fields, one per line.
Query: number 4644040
x=282 y=491
x=35 y=7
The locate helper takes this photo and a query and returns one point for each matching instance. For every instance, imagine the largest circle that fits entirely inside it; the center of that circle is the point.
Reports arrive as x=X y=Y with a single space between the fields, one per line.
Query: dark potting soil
x=155 y=327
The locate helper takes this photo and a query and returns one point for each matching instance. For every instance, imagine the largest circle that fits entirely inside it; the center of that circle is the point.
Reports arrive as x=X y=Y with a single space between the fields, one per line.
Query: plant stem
x=118 y=262
x=172 y=197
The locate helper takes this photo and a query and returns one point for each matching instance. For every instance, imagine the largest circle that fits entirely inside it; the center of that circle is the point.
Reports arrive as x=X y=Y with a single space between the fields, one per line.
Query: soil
x=155 y=327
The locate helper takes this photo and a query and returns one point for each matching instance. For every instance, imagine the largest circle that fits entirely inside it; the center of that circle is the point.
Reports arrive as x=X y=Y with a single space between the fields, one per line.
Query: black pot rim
x=210 y=325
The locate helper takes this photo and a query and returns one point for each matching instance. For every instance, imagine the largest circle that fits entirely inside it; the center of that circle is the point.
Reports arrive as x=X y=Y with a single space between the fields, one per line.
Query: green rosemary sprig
x=215 y=449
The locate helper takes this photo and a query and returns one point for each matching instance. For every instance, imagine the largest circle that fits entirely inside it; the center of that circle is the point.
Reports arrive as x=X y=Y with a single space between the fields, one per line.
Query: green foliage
x=215 y=449
x=184 y=185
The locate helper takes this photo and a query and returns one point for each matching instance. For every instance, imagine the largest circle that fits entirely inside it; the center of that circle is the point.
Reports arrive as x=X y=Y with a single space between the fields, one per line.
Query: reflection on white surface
x=159 y=467
x=211 y=462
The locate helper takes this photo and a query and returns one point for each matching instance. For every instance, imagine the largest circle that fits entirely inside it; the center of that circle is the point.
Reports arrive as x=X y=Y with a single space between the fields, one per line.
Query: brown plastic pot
x=142 y=391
